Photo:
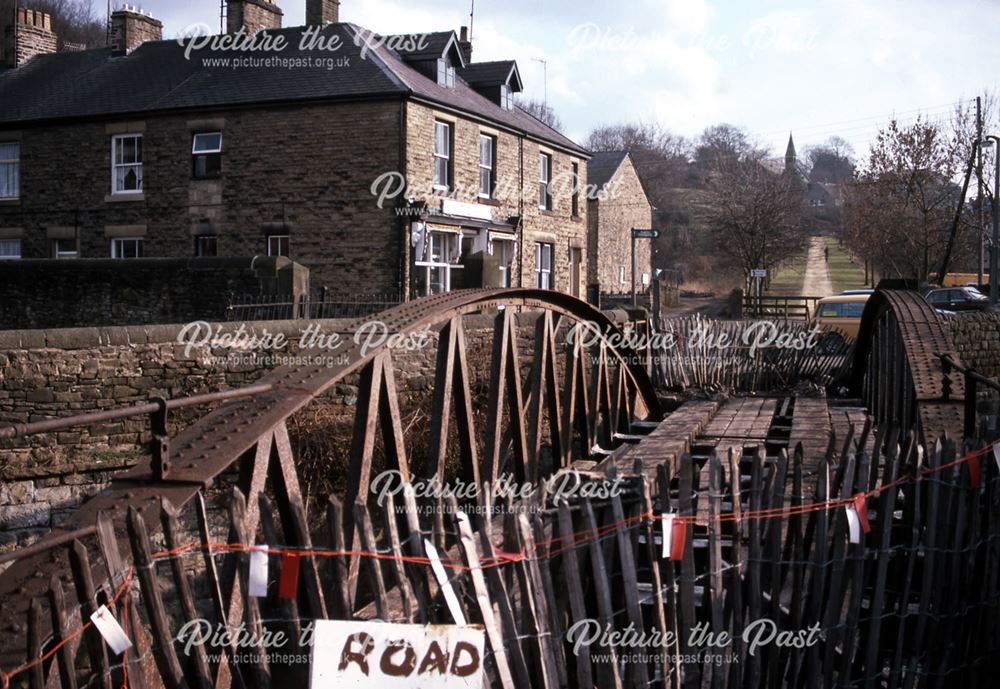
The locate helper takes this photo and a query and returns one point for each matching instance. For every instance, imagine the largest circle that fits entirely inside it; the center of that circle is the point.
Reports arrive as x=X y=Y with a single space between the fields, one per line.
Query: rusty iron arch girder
x=896 y=366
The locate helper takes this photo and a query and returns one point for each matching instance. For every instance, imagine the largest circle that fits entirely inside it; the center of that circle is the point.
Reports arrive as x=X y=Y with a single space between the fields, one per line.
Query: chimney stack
x=322 y=12
x=252 y=16
x=131 y=27
x=29 y=35
x=465 y=45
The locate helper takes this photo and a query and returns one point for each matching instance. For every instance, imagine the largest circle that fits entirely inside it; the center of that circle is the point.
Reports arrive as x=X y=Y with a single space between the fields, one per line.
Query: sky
x=815 y=68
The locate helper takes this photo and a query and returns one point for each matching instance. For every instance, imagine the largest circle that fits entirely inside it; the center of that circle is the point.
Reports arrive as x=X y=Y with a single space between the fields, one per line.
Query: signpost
x=638 y=233
x=378 y=655
x=758 y=275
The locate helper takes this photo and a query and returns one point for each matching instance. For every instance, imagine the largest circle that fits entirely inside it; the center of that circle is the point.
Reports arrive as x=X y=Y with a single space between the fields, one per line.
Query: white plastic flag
x=667 y=522
x=442 y=577
x=258 y=574
x=854 y=524
x=112 y=632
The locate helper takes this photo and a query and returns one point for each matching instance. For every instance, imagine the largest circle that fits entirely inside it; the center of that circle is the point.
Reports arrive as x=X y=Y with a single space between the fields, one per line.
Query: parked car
x=957 y=299
x=842 y=312
x=840 y=317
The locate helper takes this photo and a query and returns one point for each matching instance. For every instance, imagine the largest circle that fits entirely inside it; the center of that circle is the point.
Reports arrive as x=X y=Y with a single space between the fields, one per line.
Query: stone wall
x=59 y=373
x=96 y=292
x=314 y=187
x=610 y=233
x=977 y=340
x=517 y=174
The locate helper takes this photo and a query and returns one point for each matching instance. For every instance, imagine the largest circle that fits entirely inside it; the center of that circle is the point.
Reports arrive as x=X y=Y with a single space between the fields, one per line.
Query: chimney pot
x=131 y=27
x=322 y=12
x=464 y=44
x=252 y=16
x=30 y=35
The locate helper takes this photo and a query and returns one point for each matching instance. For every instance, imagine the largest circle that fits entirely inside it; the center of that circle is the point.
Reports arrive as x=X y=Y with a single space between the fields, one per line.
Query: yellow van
x=842 y=312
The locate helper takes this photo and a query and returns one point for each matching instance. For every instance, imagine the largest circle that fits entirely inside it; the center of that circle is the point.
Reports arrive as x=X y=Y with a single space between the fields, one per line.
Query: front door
x=575 y=258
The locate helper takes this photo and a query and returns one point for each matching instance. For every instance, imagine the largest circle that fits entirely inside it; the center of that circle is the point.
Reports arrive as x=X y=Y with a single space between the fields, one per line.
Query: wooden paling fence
x=704 y=353
x=761 y=552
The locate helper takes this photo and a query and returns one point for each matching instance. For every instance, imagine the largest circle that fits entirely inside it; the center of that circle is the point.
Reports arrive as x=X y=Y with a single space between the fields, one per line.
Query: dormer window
x=445 y=74
x=506 y=97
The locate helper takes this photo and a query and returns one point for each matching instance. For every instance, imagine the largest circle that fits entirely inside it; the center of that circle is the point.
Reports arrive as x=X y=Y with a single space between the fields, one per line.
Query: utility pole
x=979 y=178
x=995 y=248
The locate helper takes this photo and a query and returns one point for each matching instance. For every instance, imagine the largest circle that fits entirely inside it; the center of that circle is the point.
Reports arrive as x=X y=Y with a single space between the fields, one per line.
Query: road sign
x=758 y=273
x=377 y=655
x=645 y=234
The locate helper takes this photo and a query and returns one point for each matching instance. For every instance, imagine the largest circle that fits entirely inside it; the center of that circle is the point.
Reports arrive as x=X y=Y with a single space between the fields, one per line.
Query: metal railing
x=275 y=307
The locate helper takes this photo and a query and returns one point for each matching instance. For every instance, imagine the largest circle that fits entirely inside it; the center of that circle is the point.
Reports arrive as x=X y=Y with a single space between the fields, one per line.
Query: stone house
x=617 y=202
x=383 y=164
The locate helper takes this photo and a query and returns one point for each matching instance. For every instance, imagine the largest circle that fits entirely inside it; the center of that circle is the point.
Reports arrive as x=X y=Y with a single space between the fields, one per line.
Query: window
x=543 y=265
x=445 y=73
x=442 y=155
x=10 y=170
x=575 y=191
x=126 y=247
x=206 y=245
x=487 y=165
x=441 y=256
x=544 y=175
x=503 y=251
x=506 y=97
x=65 y=248
x=206 y=155
x=10 y=249
x=126 y=164
x=277 y=245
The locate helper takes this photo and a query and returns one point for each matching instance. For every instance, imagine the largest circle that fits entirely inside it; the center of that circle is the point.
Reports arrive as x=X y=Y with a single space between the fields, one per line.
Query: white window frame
x=16 y=164
x=506 y=97
x=503 y=250
x=445 y=73
x=543 y=272
x=10 y=242
x=446 y=156
x=197 y=152
x=442 y=252
x=124 y=167
x=279 y=237
x=117 y=244
x=544 y=179
x=60 y=255
x=487 y=167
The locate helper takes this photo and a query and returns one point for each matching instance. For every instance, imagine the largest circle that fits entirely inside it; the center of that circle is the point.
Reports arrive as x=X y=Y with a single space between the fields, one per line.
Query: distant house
x=616 y=203
x=391 y=165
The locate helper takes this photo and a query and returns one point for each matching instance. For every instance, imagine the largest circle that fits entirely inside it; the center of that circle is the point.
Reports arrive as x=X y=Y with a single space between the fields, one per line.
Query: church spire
x=790 y=153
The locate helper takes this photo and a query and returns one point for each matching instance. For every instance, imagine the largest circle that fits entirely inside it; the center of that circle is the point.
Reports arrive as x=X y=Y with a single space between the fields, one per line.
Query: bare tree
x=900 y=209
x=73 y=21
x=540 y=111
x=722 y=144
x=754 y=214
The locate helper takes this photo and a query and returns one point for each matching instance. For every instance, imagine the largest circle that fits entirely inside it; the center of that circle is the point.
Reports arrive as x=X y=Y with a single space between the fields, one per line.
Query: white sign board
x=758 y=273
x=396 y=656
x=468 y=210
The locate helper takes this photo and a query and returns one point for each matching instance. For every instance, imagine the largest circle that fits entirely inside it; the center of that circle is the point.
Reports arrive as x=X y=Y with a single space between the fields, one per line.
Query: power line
x=889 y=116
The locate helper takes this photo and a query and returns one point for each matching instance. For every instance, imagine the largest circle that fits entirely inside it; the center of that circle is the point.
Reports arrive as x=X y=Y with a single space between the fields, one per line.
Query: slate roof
x=157 y=77
x=602 y=167
x=488 y=73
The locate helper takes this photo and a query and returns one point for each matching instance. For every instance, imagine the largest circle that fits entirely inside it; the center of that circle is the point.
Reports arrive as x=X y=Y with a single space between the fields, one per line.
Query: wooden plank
x=571 y=575
x=630 y=582
x=199 y=673
x=83 y=582
x=470 y=557
x=607 y=673
x=339 y=586
x=367 y=542
x=536 y=606
x=229 y=671
x=60 y=634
